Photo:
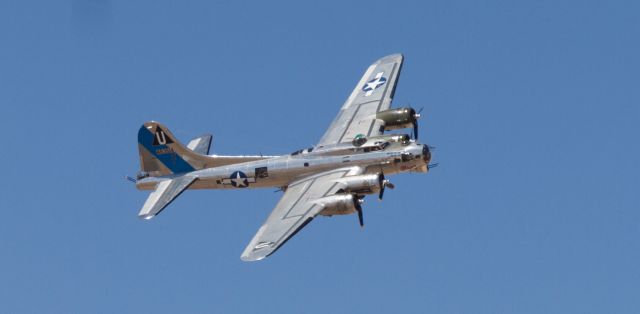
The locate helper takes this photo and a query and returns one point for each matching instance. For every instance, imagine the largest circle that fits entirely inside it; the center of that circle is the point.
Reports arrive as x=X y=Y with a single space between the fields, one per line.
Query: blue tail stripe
x=170 y=158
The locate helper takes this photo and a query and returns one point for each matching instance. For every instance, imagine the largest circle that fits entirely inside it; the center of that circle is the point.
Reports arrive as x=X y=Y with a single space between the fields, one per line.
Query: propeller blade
x=357 y=201
x=382 y=184
x=416 y=116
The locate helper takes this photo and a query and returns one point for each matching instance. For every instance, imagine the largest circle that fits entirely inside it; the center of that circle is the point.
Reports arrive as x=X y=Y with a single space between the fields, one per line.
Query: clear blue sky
x=534 y=107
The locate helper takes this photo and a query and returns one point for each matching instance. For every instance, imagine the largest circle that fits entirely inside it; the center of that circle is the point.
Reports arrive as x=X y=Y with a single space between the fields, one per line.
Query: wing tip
x=249 y=258
x=146 y=216
x=396 y=57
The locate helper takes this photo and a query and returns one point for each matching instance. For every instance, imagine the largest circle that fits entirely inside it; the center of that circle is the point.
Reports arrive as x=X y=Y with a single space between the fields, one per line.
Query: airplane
x=352 y=159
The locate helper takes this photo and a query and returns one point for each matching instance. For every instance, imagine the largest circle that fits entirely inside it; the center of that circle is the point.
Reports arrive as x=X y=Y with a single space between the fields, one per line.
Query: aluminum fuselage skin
x=279 y=171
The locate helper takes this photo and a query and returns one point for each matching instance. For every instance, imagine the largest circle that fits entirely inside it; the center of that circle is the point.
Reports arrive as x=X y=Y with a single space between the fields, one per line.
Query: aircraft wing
x=296 y=209
x=164 y=194
x=373 y=94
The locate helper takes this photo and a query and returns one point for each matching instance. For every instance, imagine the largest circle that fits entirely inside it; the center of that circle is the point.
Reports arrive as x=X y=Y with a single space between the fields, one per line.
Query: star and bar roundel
x=374 y=83
x=239 y=179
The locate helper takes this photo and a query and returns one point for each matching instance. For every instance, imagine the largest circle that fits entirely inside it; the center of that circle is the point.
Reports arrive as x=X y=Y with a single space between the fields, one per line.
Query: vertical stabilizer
x=162 y=154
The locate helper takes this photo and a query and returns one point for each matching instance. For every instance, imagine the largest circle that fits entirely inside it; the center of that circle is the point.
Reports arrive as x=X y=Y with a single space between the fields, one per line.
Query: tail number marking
x=161 y=137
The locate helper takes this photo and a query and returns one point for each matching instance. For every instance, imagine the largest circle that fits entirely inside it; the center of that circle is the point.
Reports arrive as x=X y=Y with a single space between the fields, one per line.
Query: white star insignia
x=238 y=180
x=373 y=84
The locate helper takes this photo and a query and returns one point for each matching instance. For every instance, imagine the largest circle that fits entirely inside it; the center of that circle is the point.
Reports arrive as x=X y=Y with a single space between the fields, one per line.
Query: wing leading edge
x=373 y=94
x=294 y=211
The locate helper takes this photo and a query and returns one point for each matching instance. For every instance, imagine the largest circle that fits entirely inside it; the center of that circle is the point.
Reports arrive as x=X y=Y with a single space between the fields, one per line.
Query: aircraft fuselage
x=278 y=171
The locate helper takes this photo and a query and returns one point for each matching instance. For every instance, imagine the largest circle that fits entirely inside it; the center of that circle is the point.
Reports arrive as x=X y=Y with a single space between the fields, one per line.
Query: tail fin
x=162 y=154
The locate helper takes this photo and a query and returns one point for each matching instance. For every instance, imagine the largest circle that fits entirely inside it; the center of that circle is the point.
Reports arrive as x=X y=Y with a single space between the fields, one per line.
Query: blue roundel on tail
x=239 y=179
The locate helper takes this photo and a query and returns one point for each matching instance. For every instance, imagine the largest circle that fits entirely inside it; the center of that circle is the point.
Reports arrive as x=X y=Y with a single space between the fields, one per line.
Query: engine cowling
x=398 y=118
x=362 y=184
x=339 y=204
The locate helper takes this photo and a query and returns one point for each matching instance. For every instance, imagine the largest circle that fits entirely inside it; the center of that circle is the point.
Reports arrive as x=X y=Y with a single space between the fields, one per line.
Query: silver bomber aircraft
x=350 y=161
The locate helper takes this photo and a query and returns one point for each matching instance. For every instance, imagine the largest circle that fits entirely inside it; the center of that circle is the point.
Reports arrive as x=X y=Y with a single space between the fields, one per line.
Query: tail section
x=162 y=154
x=201 y=144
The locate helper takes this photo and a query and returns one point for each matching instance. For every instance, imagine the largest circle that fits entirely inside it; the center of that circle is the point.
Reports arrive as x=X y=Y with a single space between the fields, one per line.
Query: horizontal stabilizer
x=201 y=144
x=164 y=194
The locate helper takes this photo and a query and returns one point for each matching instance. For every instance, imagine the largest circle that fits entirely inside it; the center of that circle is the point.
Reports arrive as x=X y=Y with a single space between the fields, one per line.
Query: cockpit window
x=302 y=151
x=380 y=146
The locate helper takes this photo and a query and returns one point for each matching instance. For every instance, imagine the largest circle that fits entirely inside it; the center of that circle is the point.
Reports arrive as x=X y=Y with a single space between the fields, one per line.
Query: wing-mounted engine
x=350 y=195
x=365 y=184
x=400 y=118
x=339 y=204
x=342 y=204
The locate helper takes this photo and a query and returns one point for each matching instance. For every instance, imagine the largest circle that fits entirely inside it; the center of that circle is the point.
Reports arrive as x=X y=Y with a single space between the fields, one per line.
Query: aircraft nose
x=426 y=153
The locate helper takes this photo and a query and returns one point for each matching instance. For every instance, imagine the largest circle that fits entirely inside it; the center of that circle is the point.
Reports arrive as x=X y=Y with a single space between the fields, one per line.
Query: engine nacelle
x=362 y=184
x=339 y=204
x=398 y=118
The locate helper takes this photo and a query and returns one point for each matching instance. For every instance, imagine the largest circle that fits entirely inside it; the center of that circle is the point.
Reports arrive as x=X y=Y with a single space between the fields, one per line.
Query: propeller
x=383 y=183
x=416 y=116
x=357 y=202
